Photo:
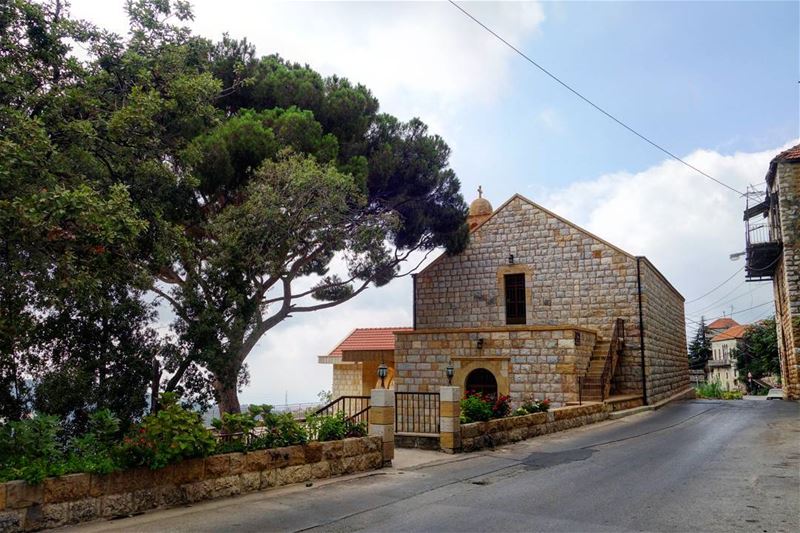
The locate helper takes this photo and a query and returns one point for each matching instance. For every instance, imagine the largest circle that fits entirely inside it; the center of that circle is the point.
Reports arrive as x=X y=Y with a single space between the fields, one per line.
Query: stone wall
x=479 y=435
x=666 y=359
x=527 y=361
x=83 y=497
x=347 y=380
x=786 y=281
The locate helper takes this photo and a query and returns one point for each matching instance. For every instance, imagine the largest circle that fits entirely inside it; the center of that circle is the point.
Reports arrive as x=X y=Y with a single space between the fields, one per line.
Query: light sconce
x=450 y=371
x=480 y=343
x=383 y=370
x=510 y=259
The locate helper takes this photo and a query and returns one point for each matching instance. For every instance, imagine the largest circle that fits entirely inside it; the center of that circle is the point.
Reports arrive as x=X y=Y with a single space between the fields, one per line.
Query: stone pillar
x=450 y=419
x=381 y=421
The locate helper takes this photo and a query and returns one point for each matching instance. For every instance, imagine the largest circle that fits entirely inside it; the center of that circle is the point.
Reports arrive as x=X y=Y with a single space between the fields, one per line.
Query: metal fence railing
x=416 y=412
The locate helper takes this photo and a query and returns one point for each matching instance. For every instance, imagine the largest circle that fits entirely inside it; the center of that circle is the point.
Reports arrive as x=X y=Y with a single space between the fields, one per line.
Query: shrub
x=501 y=407
x=731 y=395
x=29 y=449
x=335 y=427
x=536 y=406
x=94 y=451
x=711 y=389
x=279 y=430
x=476 y=408
x=168 y=436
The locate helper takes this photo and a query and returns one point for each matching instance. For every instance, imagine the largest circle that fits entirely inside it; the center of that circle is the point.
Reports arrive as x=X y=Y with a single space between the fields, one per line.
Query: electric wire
x=585 y=99
x=715 y=288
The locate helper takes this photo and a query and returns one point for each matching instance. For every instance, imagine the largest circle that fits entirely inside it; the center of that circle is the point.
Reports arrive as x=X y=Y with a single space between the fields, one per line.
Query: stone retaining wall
x=478 y=435
x=83 y=497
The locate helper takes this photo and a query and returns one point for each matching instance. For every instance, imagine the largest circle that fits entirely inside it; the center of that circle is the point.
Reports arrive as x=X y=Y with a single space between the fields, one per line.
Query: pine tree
x=700 y=347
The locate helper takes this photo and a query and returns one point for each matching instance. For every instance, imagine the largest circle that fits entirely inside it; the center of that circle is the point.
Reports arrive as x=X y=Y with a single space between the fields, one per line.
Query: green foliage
x=334 y=427
x=759 y=351
x=713 y=390
x=167 y=436
x=475 y=408
x=536 y=406
x=94 y=451
x=258 y=428
x=29 y=449
x=700 y=347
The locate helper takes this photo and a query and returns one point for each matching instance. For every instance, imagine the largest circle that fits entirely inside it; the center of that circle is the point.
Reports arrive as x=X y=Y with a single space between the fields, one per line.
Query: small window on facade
x=515 y=298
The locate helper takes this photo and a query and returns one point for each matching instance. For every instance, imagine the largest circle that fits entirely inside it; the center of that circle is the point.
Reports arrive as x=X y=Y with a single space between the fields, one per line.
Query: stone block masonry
x=575 y=282
x=84 y=497
x=786 y=281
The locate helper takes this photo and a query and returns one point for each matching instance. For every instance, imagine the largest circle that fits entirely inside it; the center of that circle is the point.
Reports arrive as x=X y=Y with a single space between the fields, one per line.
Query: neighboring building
x=356 y=359
x=720 y=325
x=722 y=364
x=773 y=253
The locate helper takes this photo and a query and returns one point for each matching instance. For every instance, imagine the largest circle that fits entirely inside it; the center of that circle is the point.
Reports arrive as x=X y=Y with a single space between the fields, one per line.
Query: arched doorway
x=482 y=381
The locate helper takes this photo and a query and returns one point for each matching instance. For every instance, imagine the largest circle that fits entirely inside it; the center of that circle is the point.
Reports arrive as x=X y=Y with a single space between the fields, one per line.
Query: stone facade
x=786 y=280
x=83 y=497
x=575 y=283
x=347 y=380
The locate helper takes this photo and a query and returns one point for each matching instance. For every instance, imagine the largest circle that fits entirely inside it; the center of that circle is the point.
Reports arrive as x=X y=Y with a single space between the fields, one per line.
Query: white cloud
x=687 y=225
x=419 y=58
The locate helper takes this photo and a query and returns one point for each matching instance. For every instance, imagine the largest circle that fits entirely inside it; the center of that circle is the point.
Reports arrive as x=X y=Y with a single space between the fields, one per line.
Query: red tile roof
x=788 y=155
x=367 y=339
x=722 y=323
x=736 y=332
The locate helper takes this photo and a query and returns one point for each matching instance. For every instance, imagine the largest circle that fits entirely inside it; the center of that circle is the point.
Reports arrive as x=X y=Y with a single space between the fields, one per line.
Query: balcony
x=763 y=238
x=720 y=363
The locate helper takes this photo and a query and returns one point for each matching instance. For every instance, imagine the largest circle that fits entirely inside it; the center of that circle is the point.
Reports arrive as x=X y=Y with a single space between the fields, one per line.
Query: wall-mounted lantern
x=510 y=259
x=577 y=338
x=383 y=370
x=480 y=343
x=450 y=371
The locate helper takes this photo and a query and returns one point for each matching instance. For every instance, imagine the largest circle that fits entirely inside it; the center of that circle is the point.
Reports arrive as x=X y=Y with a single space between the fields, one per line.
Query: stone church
x=535 y=307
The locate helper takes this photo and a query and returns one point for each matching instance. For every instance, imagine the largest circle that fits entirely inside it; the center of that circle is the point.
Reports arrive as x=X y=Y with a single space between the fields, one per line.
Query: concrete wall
x=666 y=360
x=83 y=497
x=786 y=282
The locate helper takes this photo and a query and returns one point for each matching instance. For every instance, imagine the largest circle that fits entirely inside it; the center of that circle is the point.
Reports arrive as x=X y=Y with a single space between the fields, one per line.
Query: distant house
x=772 y=237
x=356 y=359
x=720 y=325
x=722 y=365
x=535 y=306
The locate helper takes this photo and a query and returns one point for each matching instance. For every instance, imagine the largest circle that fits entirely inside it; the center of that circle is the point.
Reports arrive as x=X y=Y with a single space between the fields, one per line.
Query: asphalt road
x=691 y=466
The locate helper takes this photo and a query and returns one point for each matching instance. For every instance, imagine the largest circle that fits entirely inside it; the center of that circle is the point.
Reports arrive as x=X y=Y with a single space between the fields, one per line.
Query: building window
x=515 y=298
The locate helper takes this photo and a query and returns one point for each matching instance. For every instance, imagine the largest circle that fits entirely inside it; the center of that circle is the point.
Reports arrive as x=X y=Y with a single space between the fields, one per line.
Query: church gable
x=569 y=274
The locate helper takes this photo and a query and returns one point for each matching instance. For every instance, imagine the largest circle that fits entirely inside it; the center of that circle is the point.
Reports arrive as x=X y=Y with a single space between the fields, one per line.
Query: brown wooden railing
x=615 y=350
x=416 y=412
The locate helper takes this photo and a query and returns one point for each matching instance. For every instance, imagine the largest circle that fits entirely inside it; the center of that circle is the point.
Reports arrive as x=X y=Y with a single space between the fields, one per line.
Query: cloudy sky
x=714 y=82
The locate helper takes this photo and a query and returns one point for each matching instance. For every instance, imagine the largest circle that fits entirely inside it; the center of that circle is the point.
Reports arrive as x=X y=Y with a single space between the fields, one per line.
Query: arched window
x=482 y=381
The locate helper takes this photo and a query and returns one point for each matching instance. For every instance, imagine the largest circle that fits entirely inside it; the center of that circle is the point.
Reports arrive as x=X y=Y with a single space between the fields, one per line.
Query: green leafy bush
x=711 y=389
x=168 y=436
x=536 y=406
x=334 y=427
x=30 y=450
x=476 y=408
x=95 y=450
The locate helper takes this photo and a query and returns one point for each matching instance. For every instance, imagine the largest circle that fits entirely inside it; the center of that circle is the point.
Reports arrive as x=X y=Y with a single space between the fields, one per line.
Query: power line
x=736 y=312
x=723 y=300
x=585 y=99
x=715 y=288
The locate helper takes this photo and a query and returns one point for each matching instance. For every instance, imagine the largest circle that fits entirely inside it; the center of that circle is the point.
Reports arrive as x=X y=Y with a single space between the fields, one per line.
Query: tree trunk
x=227 y=397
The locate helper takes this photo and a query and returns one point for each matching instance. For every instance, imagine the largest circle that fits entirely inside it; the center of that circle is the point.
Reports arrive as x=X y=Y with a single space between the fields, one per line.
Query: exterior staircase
x=596 y=385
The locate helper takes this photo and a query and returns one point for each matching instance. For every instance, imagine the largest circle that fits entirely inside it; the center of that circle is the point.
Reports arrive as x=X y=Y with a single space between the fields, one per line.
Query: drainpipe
x=414 y=300
x=641 y=327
